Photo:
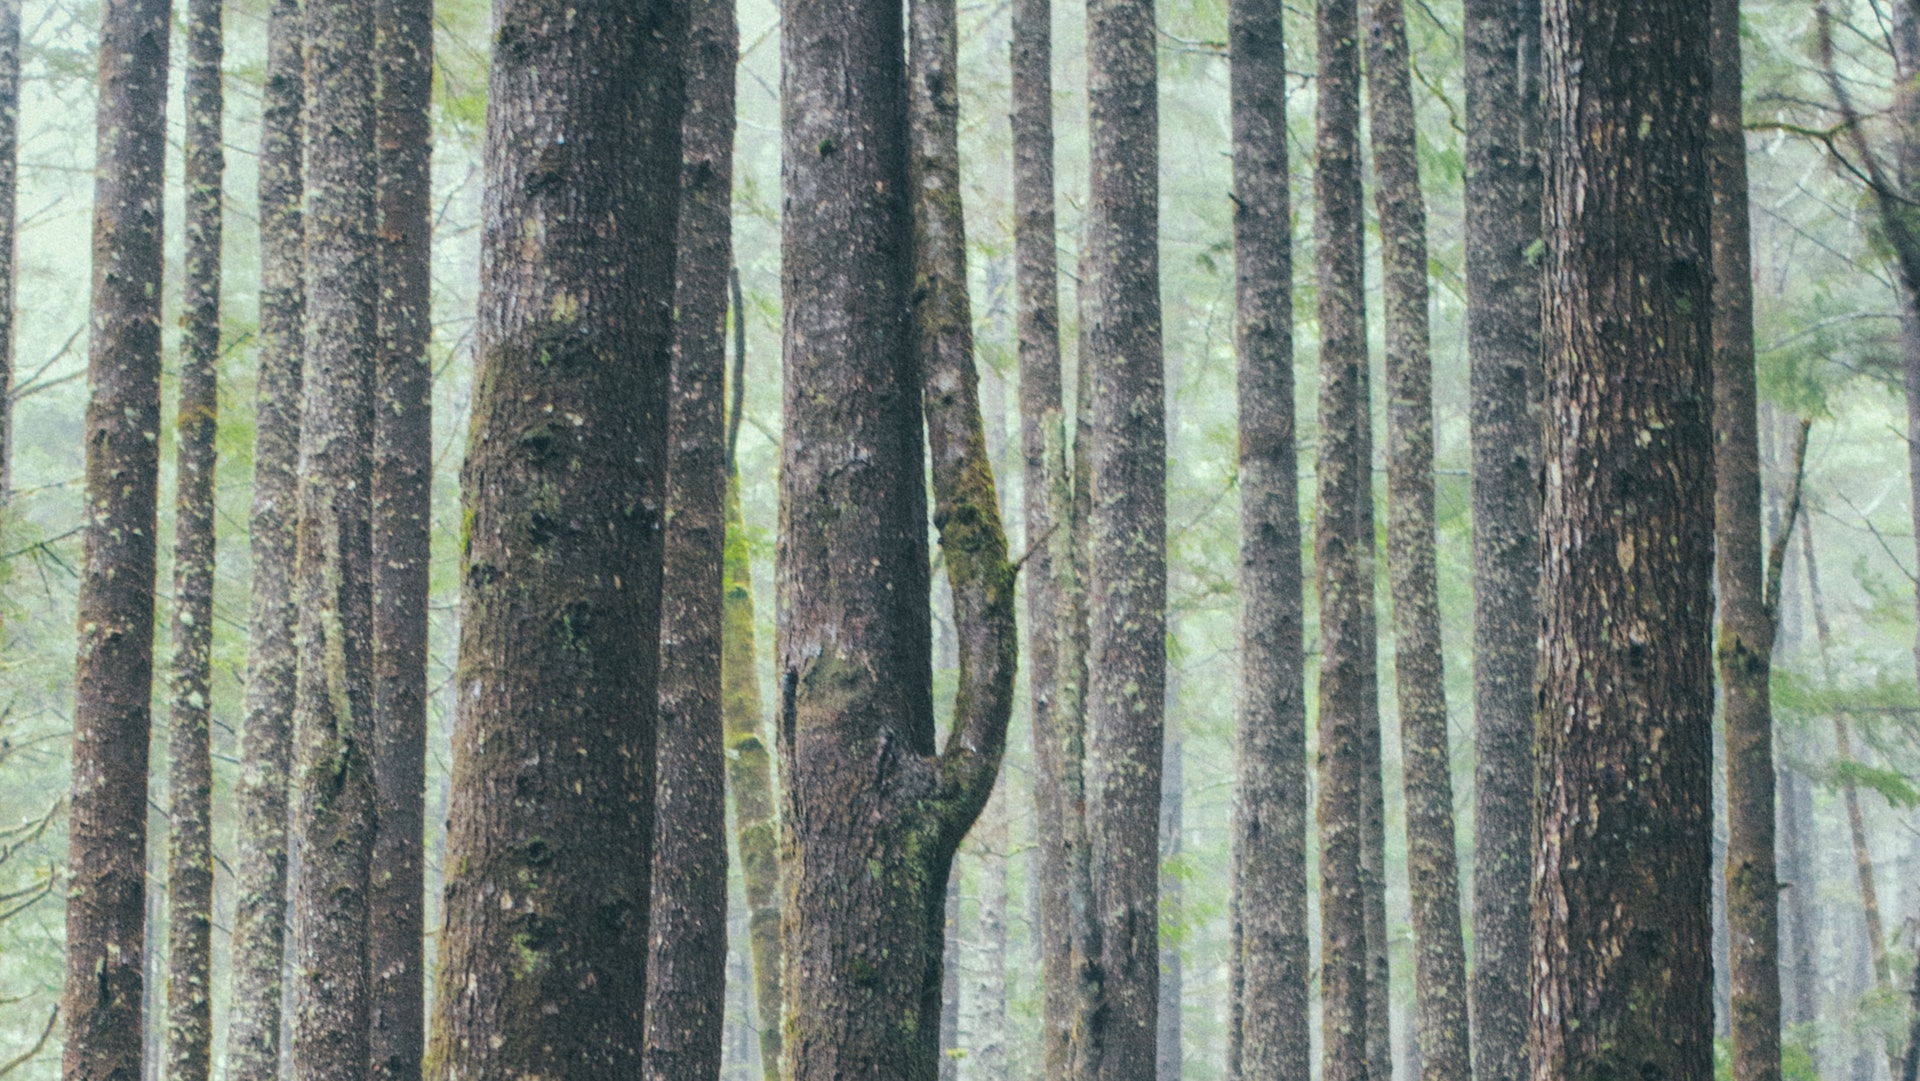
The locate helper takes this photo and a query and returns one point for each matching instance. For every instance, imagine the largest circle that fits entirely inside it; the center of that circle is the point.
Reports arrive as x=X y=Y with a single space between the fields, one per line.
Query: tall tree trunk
x=9 y=229
x=1269 y=1022
x=189 y=1052
x=1747 y=624
x=402 y=544
x=1126 y=659
x=950 y=984
x=113 y=679
x=686 y=989
x=259 y=932
x=1622 y=982
x=550 y=835
x=1503 y=343
x=1168 y=1052
x=1440 y=964
x=872 y=813
x=1342 y=556
x=989 y=1044
x=1800 y=974
x=334 y=803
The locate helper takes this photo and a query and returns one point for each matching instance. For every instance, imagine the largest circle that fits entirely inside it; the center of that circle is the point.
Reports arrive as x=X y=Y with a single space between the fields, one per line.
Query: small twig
x=1034 y=547
x=27 y=1056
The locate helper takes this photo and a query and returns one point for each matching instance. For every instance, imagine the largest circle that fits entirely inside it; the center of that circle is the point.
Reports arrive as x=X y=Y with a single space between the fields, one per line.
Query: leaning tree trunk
x=259 y=930
x=1127 y=585
x=686 y=967
x=1342 y=557
x=1269 y=968
x=1622 y=983
x=112 y=713
x=543 y=967
x=189 y=1052
x=334 y=803
x=9 y=229
x=1503 y=342
x=402 y=544
x=1433 y=870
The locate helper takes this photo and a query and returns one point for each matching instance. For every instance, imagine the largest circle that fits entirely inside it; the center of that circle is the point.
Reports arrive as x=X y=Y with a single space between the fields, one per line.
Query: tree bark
x=334 y=724
x=9 y=228
x=1433 y=870
x=259 y=932
x=189 y=1051
x=1269 y=970
x=1342 y=556
x=1168 y=1050
x=550 y=838
x=989 y=1050
x=113 y=678
x=686 y=990
x=1622 y=982
x=402 y=545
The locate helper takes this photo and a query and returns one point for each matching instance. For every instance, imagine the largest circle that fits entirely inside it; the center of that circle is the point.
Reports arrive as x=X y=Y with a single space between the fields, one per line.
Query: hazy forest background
x=1828 y=347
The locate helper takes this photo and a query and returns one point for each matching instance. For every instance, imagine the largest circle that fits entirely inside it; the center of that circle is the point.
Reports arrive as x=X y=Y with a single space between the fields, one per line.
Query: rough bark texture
x=990 y=836
x=107 y=812
x=550 y=838
x=1503 y=345
x=1267 y=1033
x=1745 y=647
x=872 y=814
x=9 y=193
x=1343 y=558
x=1622 y=983
x=189 y=734
x=686 y=969
x=259 y=932
x=1168 y=1049
x=1800 y=974
x=1127 y=585
x=334 y=731
x=1433 y=870
x=402 y=546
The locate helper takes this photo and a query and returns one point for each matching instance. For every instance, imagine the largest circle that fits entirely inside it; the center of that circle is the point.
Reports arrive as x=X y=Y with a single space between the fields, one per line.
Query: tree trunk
x=950 y=983
x=402 y=544
x=1440 y=966
x=1503 y=343
x=9 y=228
x=1745 y=648
x=259 y=931
x=334 y=803
x=1622 y=979
x=989 y=1043
x=686 y=990
x=550 y=836
x=1342 y=556
x=1269 y=971
x=189 y=1051
x=1799 y=970
x=873 y=814
x=113 y=679
x=1168 y=1051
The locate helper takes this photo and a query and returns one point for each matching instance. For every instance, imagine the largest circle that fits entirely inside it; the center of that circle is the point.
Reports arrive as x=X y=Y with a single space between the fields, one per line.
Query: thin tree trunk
x=1126 y=659
x=686 y=990
x=113 y=678
x=1800 y=972
x=1342 y=557
x=1622 y=982
x=950 y=983
x=989 y=1043
x=402 y=544
x=1167 y=1043
x=334 y=802
x=189 y=1051
x=1440 y=965
x=1503 y=342
x=1747 y=622
x=1268 y=1028
x=9 y=229
x=259 y=932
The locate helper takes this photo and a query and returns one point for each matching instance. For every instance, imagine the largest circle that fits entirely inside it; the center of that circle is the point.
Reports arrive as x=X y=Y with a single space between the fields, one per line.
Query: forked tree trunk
x=189 y=1023
x=113 y=679
x=543 y=969
x=1622 y=981
x=259 y=931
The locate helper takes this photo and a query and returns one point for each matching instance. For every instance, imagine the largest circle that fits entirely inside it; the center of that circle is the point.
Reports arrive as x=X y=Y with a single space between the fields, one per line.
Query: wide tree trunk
x=1503 y=344
x=402 y=545
x=1433 y=870
x=113 y=678
x=189 y=731
x=686 y=973
x=1622 y=982
x=872 y=812
x=550 y=839
x=1747 y=624
x=334 y=729
x=1343 y=558
x=259 y=929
